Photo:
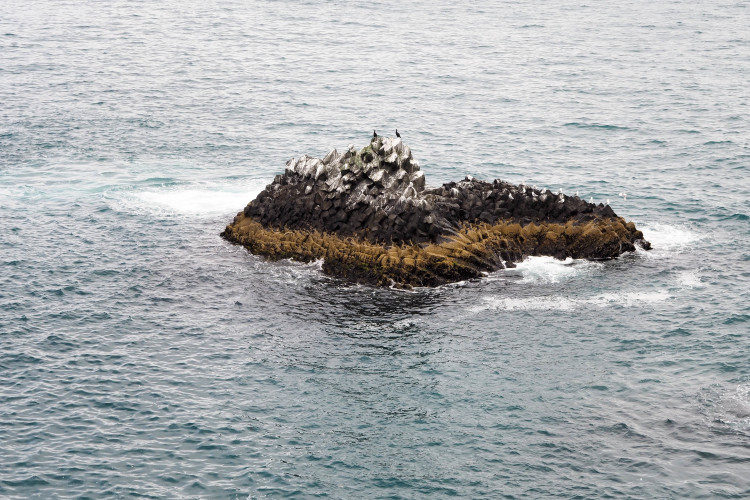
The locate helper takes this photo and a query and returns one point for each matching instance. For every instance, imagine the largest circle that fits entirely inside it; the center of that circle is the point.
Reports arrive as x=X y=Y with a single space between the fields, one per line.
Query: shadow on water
x=342 y=305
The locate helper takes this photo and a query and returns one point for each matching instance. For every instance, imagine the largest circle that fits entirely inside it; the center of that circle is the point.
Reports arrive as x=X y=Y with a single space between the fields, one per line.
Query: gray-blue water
x=143 y=356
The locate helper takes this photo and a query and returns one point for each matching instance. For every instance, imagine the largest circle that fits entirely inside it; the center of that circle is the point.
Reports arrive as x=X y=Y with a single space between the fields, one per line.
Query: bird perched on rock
x=397 y=134
x=374 y=135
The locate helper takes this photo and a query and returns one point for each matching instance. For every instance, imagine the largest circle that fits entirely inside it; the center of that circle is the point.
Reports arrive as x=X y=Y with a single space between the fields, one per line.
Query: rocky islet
x=370 y=216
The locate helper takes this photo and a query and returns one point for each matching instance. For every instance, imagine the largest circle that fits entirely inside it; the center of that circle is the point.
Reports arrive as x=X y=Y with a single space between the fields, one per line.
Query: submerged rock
x=369 y=215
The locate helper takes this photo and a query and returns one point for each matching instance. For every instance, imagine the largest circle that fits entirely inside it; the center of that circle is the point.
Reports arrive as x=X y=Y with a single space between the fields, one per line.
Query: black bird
x=397 y=134
x=374 y=135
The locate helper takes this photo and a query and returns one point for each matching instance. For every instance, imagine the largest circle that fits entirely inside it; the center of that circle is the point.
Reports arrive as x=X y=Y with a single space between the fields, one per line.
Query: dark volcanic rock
x=378 y=195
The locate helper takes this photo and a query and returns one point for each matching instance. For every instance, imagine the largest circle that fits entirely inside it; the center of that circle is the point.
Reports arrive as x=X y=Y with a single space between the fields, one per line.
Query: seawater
x=143 y=356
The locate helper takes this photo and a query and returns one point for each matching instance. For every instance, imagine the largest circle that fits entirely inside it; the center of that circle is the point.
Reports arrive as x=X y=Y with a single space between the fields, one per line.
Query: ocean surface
x=141 y=356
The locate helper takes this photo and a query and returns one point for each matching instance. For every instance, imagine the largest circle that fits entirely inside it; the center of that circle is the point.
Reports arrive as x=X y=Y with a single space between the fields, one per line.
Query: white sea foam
x=731 y=406
x=293 y=272
x=195 y=201
x=192 y=200
x=561 y=303
x=689 y=279
x=551 y=270
x=737 y=403
x=665 y=238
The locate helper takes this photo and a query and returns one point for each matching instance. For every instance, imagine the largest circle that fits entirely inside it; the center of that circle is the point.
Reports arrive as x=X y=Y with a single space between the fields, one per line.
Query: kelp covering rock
x=369 y=215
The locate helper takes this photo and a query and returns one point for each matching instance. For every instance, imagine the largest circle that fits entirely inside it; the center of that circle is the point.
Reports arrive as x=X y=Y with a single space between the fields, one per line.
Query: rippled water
x=141 y=355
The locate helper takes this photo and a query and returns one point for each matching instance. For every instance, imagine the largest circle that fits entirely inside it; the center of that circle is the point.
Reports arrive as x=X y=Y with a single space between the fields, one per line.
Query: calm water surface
x=143 y=356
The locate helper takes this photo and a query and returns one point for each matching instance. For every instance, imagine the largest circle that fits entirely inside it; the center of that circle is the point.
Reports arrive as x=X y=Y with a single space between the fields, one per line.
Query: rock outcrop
x=369 y=215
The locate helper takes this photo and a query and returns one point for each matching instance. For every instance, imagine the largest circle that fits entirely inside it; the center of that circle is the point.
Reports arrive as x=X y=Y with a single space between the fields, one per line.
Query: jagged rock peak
x=386 y=161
